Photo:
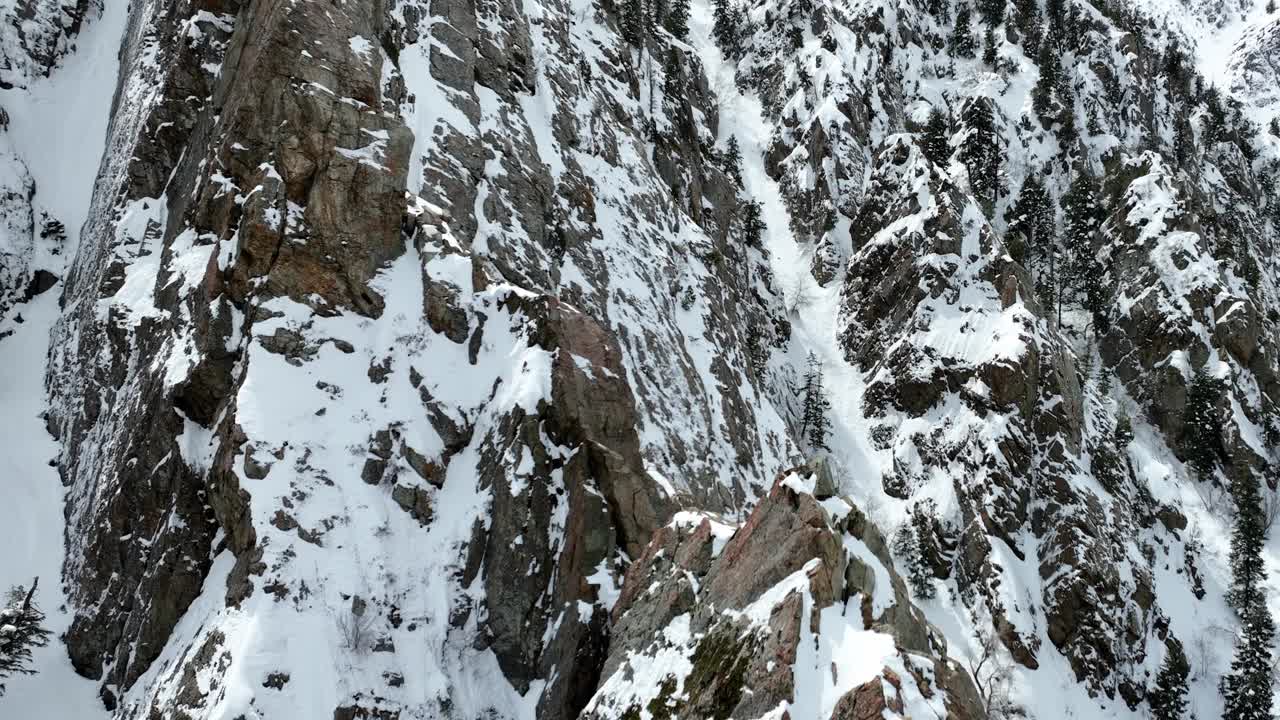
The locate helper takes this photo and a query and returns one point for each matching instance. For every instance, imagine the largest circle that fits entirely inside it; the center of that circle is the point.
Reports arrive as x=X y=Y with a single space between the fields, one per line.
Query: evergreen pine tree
x=1097 y=295
x=906 y=545
x=1026 y=15
x=1247 y=689
x=733 y=160
x=1073 y=29
x=815 y=425
x=992 y=11
x=1123 y=433
x=676 y=21
x=726 y=28
x=1183 y=142
x=1248 y=536
x=1201 y=441
x=989 y=56
x=962 y=44
x=1024 y=11
x=1168 y=699
x=634 y=22
x=1069 y=134
x=1056 y=11
x=1175 y=68
x=1031 y=222
x=937 y=139
x=21 y=630
x=924 y=524
x=980 y=151
x=1044 y=97
x=1215 y=119
x=1082 y=223
x=752 y=223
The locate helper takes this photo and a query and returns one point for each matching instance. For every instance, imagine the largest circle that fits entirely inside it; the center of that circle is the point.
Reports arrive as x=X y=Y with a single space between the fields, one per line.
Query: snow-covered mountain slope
x=442 y=359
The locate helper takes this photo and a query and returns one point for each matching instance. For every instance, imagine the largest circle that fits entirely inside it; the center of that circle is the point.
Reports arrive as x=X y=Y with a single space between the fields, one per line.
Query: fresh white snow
x=58 y=127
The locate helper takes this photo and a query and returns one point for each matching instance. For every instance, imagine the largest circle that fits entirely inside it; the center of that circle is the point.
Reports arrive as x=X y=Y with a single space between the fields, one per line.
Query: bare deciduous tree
x=992 y=671
x=355 y=626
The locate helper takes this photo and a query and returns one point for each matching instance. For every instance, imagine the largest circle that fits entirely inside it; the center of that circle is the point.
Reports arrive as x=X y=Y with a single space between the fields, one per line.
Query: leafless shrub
x=992 y=671
x=1204 y=648
x=355 y=626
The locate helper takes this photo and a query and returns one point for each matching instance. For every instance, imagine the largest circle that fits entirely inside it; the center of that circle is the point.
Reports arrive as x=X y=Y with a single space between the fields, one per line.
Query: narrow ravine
x=813 y=308
x=58 y=126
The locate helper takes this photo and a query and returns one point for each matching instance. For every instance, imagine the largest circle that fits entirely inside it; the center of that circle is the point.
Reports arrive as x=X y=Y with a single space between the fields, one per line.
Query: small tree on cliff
x=1200 y=438
x=677 y=19
x=752 y=223
x=1031 y=223
x=814 y=424
x=980 y=151
x=727 y=28
x=936 y=142
x=909 y=545
x=1168 y=699
x=21 y=630
x=1123 y=433
x=634 y=22
x=962 y=44
x=1247 y=689
x=992 y=673
x=733 y=160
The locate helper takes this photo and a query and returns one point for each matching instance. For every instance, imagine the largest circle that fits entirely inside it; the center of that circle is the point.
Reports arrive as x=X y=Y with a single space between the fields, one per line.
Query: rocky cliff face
x=434 y=359
x=800 y=610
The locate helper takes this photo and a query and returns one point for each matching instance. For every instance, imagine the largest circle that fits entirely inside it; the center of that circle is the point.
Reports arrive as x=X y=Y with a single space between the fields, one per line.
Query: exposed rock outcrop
x=799 y=611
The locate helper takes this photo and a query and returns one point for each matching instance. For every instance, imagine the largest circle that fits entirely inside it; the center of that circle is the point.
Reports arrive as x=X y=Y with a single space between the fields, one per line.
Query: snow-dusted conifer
x=1200 y=436
x=936 y=142
x=1031 y=222
x=1168 y=699
x=980 y=151
x=1044 y=97
x=814 y=424
x=906 y=545
x=21 y=630
x=733 y=159
x=1123 y=433
x=676 y=21
x=989 y=55
x=992 y=12
x=727 y=29
x=1247 y=688
x=1082 y=222
x=962 y=44
x=752 y=223
x=634 y=22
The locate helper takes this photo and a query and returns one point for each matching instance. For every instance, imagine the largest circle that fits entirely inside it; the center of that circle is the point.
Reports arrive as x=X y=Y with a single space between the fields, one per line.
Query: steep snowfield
x=812 y=307
x=1222 y=42
x=31 y=521
x=57 y=126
